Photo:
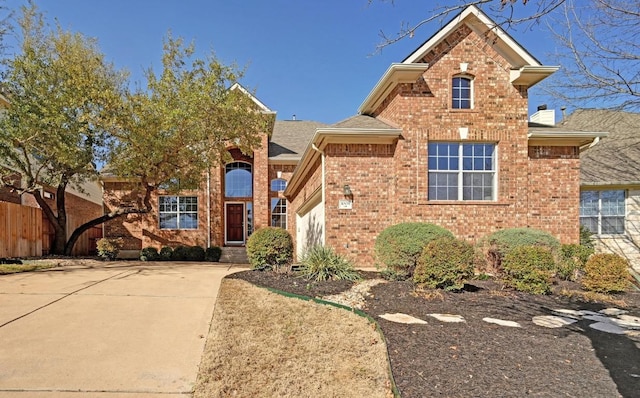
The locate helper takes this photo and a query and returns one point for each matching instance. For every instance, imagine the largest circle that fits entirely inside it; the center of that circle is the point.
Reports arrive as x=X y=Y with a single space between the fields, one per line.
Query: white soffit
x=396 y=74
x=480 y=23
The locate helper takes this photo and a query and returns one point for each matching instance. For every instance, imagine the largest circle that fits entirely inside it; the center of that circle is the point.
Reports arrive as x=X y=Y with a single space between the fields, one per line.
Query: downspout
x=208 y=208
x=322 y=187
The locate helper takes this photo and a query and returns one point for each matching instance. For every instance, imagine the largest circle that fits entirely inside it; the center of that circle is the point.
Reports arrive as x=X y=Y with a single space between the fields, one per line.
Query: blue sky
x=311 y=58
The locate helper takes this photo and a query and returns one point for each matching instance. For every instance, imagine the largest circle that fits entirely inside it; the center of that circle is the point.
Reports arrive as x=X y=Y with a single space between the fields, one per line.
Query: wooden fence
x=26 y=232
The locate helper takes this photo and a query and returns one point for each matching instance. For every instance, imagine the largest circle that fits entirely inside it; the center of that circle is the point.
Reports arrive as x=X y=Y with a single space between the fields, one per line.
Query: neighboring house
x=610 y=181
x=443 y=137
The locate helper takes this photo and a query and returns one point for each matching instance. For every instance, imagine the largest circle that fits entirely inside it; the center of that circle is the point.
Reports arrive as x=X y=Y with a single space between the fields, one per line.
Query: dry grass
x=6 y=269
x=593 y=297
x=265 y=345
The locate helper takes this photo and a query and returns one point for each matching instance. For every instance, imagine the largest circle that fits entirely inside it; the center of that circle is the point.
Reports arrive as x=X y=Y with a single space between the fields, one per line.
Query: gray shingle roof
x=362 y=122
x=616 y=158
x=291 y=137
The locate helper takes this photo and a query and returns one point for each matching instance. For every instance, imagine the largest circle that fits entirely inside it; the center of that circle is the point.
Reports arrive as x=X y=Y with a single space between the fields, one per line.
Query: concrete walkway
x=124 y=329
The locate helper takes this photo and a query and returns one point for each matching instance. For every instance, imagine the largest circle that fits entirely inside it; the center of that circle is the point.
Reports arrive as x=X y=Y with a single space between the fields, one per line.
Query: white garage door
x=310 y=224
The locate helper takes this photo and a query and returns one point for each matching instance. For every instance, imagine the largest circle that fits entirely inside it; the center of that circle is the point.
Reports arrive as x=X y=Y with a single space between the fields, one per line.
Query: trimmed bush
x=213 y=254
x=606 y=273
x=322 y=263
x=180 y=253
x=195 y=253
x=108 y=248
x=270 y=248
x=399 y=246
x=166 y=253
x=500 y=243
x=445 y=263
x=572 y=260
x=529 y=269
x=149 y=254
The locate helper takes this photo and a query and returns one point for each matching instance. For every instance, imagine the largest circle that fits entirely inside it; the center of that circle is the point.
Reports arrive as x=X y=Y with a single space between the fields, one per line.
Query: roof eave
x=326 y=136
x=529 y=75
x=395 y=74
x=563 y=138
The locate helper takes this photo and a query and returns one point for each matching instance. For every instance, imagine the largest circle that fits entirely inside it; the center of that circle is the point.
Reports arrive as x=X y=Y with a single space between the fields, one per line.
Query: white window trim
x=286 y=210
x=471 y=91
x=599 y=216
x=178 y=212
x=460 y=172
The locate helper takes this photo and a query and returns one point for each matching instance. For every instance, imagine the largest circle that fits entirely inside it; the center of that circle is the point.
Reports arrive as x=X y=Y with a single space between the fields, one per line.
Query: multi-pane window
x=238 y=181
x=278 y=185
x=279 y=212
x=178 y=212
x=461 y=93
x=603 y=212
x=460 y=171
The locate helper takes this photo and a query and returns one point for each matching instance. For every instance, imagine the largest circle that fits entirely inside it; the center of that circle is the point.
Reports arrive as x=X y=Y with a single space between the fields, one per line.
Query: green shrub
x=195 y=253
x=399 y=246
x=166 y=253
x=445 y=263
x=529 y=269
x=606 y=273
x=322 y=263
x=586 y=237
x=149 y=254
x=270 y=247
x=497 y=245
x=180 y=253
x=108 y=248
x=213 y=254
x=572 y=260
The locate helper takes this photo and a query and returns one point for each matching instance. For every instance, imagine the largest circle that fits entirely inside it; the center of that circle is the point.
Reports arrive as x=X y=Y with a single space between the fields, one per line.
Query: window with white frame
x=238 y=180
x=462 y=92
x=279 y=212
x=462 y=171
x=603 y=212
x=278 y=185
x=178 y=212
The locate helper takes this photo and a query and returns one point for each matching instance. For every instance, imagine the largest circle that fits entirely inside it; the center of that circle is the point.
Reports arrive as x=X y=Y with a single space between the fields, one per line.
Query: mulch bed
x=478 y=359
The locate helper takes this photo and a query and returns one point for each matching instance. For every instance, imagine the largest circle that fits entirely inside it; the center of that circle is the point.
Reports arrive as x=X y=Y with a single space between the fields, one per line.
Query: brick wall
x=537 y=187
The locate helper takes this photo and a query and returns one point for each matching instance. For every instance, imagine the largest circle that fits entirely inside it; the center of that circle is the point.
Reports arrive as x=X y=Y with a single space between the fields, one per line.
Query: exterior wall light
x=347 y=191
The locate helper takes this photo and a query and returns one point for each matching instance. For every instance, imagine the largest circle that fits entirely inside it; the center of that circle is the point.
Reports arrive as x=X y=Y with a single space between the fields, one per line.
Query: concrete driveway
x=124 y=329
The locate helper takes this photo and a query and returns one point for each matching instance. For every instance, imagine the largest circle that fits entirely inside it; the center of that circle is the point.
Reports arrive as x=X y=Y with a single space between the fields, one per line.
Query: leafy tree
x=597 y=43
x=183 y=124
x=69 y=109
x=62 y=96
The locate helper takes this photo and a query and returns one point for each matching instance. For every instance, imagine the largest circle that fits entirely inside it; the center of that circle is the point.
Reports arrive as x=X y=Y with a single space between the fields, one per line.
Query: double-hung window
x=461 y=90
x=279 y=212
x=178 y=212
x=462 y=171
x=603 y=212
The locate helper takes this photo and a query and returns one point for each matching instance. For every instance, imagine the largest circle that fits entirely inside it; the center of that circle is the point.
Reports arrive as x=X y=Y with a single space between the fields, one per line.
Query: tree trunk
x=59 y=225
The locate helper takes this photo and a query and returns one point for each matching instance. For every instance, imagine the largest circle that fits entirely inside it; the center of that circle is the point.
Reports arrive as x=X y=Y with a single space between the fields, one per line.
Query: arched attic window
x=278 y=185
x=462 y=92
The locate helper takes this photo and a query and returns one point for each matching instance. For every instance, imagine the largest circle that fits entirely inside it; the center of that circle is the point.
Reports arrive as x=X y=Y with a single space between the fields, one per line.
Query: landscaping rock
x=552 y=321
x=449 y=318
x=402 y=318
x=502 y=322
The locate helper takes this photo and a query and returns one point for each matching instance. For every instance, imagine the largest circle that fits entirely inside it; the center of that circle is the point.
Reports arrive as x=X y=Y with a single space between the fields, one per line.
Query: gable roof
x=290 y=138
x=615 y=160
x=526 y=70
x=261 y=106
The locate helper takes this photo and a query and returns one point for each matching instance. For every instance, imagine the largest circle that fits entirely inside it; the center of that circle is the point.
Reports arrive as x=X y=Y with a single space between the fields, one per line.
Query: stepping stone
x=552 y=321
x=502 y=322
x=448 y=318
x=598 y=318
x=613 y=311
x=568 y=313
x=587 y=312
x=607 y=328
x=402 y=318
x=627 y=322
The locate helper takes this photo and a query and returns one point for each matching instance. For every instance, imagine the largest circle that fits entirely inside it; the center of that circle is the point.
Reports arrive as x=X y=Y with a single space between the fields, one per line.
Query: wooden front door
x=235 y=223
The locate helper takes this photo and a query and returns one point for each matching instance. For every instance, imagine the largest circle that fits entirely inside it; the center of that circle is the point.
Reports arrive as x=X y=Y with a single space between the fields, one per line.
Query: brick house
x=443 y=137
